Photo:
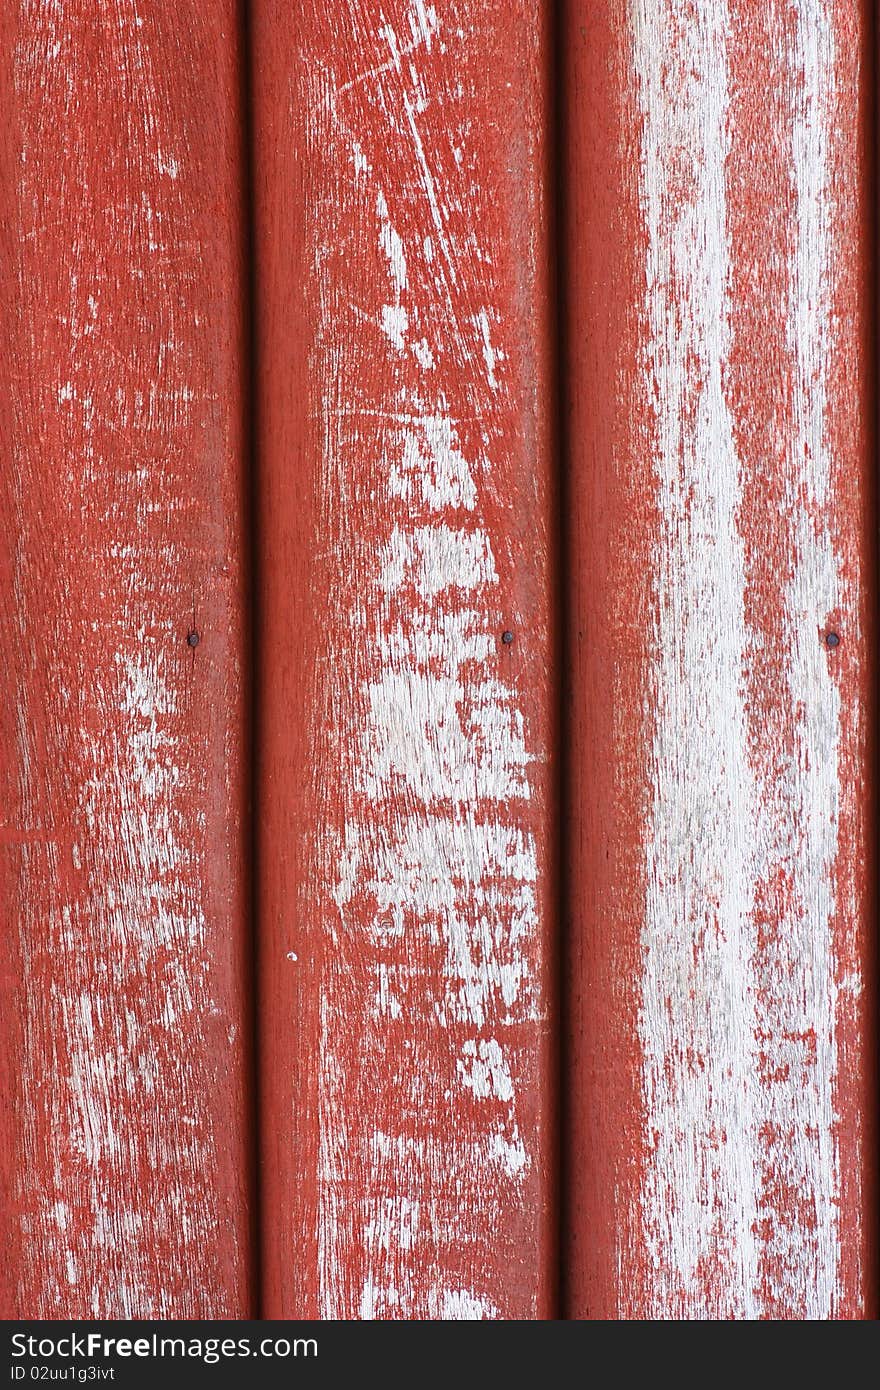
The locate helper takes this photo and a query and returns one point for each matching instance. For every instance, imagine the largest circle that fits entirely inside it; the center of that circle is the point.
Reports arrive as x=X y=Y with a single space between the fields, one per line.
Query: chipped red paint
x=716 y=290
x=722 y=1145
x=125 y=1128
x=405 y=404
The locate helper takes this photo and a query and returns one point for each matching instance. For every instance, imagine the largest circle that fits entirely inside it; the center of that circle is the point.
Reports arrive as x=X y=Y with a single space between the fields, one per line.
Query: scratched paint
x=721 y=1151
x=427 y=744
x=125 y=1122
x=698 y=995
x=739 y=1191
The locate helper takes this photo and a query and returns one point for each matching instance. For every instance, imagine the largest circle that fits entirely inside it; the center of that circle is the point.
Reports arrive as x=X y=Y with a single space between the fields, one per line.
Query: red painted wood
x=717 y=292
x=405 y=773
x=125 y=1127
x=719 y=418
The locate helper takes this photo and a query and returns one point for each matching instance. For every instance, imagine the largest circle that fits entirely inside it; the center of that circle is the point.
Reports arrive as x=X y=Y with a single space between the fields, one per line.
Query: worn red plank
x=719 y=416
x=125 y=1129
x=404 y=434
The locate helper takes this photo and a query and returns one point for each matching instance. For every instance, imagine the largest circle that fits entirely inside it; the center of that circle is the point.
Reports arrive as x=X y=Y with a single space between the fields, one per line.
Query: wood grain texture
x=125 y=1128
x=719 y=414
x=718 y=282
x=404 y=434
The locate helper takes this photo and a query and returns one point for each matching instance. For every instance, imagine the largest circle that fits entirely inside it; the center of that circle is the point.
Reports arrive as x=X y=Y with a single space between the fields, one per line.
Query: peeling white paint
x=484 y=1071
x=460 y=1305
x=710 y=992
x=491 y=355
x=799 y=988
x=697 y=1019
x=395 y=322
x=431 y=469
x=111 y=887
x=391 y=244
x=435 y=870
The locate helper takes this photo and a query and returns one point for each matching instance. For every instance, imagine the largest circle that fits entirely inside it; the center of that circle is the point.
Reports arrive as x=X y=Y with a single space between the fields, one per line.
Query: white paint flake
x=491 y=355
x=459 y=1305
x=483 y=1069
x=395 y=322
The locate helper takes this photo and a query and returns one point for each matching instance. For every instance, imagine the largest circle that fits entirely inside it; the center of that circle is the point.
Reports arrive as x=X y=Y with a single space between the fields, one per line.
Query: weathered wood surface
x=720 y=426
x=716 y=290
x=125 y=1124
x=404 y=439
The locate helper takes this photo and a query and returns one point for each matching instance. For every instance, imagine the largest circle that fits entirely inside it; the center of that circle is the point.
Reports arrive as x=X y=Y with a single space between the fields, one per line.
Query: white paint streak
x=391 y=244
x=435 y=869
x=491 y=355
x=721 y=1240
x=799 y=990
x=697 y=1020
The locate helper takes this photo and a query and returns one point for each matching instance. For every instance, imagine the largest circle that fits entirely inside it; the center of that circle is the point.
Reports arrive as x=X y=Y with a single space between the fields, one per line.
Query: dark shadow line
x=561 y=607
x=252 y=655
x=872 y=232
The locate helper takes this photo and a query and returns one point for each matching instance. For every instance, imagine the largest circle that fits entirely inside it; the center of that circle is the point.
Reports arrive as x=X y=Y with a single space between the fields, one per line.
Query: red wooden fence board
x=689 y=850
x=719 y=418
x=125 y=1123
x=405 y=770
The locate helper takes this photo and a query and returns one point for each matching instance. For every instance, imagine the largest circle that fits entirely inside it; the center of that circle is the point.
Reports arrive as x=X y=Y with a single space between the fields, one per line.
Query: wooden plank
x=405 y=408
x=125 y=1130
x=719 y=418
